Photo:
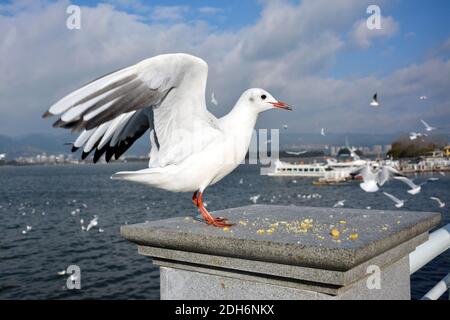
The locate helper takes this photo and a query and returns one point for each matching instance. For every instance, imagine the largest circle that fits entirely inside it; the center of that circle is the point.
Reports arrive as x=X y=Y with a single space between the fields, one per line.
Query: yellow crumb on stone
x=270 y=231
x=353 y=236
x=343 y=222
x=274 y=225
x=260 y=231
x=335 y=233
x=243 y=223
x=226 y=229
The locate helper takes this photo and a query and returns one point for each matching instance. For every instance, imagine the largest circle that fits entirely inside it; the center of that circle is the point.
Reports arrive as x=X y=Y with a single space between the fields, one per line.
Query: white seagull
x=254 y=199
x=415 y=189
x=214 y=100
x=296 y=153
x=440 y=203
x=427 y=126
x=92 y=223
x=191 y=149
x=423 y=97
x=322 y=131
x=375 y=102
x=373 y=180
x=398 y=203
x=339 y=204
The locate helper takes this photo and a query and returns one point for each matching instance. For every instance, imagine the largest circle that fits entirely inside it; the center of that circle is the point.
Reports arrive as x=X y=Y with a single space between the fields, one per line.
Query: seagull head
x=261 y=100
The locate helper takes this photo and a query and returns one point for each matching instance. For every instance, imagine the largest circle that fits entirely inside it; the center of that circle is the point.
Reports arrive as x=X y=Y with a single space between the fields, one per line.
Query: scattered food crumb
x=353 y=236
x=261 y=231
x=226 y=229
x=335 y=233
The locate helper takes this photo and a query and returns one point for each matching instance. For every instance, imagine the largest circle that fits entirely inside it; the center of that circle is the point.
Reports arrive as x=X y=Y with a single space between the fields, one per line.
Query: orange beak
x=281 y=105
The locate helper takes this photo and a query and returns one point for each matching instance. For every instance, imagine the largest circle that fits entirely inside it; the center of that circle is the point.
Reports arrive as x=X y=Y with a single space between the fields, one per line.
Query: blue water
x=44 y=197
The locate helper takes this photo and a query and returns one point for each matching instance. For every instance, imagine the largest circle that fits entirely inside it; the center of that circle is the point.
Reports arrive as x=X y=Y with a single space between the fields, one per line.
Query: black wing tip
x=84 y=155
x=74 y=149
x=47 y=114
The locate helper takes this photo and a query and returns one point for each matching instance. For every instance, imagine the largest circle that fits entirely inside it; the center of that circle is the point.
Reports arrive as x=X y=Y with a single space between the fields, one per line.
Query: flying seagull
x=373 y=180
x=374 y=102
x=296 y=153
x=254 y=199
x=427 y=126
x=322 y=131
x=398 y=203
x=92 y=223
x=191 y=149
x=415 y=189
x=214 y=100
x=423 y=97
x=340 y=203
x=440 y=203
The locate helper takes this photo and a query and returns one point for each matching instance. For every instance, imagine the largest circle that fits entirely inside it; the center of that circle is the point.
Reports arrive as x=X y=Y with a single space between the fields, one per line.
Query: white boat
x=313 y=170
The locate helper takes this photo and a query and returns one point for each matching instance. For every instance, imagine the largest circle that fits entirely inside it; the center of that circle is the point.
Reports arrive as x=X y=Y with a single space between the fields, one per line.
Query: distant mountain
x=32 y=144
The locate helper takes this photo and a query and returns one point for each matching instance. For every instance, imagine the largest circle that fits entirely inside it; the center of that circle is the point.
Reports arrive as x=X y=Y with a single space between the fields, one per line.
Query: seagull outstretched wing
x=164 y=94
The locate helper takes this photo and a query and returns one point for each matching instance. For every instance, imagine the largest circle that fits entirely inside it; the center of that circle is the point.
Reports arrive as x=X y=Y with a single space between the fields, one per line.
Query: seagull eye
x=263 y=97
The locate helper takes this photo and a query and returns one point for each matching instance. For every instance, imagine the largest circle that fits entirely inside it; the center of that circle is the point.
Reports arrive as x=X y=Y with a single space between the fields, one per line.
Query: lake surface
x=53 y=200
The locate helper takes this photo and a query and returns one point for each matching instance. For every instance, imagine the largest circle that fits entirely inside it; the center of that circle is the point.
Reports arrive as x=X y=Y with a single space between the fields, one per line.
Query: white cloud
x=210 y=10
x=363 y=36
x=288 y=51
x=169 y=12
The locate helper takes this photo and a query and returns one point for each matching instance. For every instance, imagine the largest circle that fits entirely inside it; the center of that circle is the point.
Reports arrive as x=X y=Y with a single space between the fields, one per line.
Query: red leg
x=194 y=199
x=217 y=222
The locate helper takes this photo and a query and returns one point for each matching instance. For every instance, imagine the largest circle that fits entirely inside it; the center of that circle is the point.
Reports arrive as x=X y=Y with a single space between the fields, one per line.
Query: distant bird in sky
x=433 y=179
x=415 y=189
x=214 y=100
x=322 y=131
x=285 y=126
x=423 y=97
x=442 y=173
x=415 y=135
x=398 y=203
x=165 y=95
x=440 y=203
x=427 y=126
x=61 y=273
x=340 y=203
x=374 y=102
x=297 y=153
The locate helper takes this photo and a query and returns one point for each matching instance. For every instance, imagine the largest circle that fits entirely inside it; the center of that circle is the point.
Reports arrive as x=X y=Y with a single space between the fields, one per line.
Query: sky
x=317 y=55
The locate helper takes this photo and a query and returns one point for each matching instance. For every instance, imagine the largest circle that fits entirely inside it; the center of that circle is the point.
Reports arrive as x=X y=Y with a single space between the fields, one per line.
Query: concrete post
x=285 y=252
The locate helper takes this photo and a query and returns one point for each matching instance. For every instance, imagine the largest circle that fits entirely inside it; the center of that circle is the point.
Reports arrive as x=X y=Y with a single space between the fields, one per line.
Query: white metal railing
x=438 y=242
x=439 y=289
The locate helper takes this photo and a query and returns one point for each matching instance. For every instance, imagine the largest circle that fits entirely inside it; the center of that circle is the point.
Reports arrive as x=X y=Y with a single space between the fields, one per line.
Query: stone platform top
x=326 y=238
